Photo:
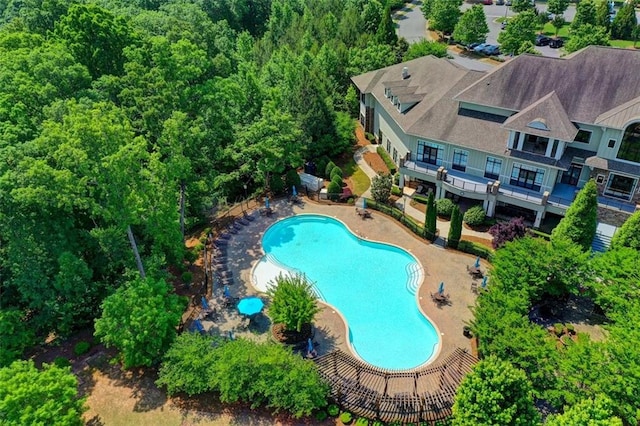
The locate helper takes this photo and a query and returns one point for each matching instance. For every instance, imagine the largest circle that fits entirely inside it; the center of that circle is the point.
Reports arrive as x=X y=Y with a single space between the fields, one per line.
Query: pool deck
x=244 y=250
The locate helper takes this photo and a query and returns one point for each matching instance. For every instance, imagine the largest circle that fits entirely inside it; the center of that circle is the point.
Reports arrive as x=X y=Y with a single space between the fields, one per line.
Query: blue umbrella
x=205 y=304
x=441 y=288
x=477 y=264
x=266 y=202
x=250 y=305
x=294 y=191
x=230 y=334
x=364 y=203
x=198 y=326
x=309 y=345
x=484 y=282
x=226 y=291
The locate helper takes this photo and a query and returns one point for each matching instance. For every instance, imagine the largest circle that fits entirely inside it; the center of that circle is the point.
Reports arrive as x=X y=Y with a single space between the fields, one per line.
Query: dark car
x=472 y=46
x=542 y=40
x=555 y=43
x=487 y=2
x=491 y=50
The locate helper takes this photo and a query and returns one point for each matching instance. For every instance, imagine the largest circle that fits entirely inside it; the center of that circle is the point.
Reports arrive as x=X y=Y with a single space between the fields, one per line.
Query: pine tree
x=580 y=222
x=624 y=23
x=386 y=33
x=455 y=230
x=430 y=218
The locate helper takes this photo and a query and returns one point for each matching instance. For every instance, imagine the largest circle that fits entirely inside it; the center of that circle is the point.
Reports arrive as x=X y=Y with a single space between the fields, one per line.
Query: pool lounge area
x=244 y=251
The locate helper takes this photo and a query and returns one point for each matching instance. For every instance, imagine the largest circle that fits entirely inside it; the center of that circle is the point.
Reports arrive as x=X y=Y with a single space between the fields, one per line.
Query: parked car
x=499 y=2
x=479 y=48
x=555 y=43
x=508 y=3
x=542 y=40
x=503 y=25
x=487 y=2
x=472 y=46
x=491 y=49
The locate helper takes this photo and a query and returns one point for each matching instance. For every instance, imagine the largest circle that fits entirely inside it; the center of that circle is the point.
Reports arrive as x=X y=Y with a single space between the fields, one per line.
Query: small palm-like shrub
x=81 y=348
x=293 y=302
x=444 y=207
x=327 y=171
x=474 y=216
x=333 y=410
x=337 y=171
x=346 y=417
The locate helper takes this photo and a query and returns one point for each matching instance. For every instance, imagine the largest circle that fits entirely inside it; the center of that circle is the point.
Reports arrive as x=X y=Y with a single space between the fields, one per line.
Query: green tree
x=95 y=37
x=381 y=188
x=425 y=47
x=430 y=220
x=472 y=26
x=426 y=8
x=445 y=15
x=624 y=22
x=494 y=393
x=557 y=7
x=580 y=221
x=558 y=22
x=585 y=14
x=455 y=230
x=636 y=35
x=352 y=102
x=386 y=32
x=522 y=6
x=520 y=30
x=587 y=35
x=592 y=412
x=628 y=235
x=186 y=366
x=371 y=16
x=15 y=335
x=140 y=320
x=603 y=14
x=29 y=396
x=293 y=302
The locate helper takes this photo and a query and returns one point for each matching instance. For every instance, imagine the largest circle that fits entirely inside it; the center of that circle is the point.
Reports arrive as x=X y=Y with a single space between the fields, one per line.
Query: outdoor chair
x=249 y=217
x=474 y=286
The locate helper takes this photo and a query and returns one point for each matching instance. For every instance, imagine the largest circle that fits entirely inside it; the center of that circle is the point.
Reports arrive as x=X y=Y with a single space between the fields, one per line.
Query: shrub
x=445 y=207
x=377 y=423
x=504 y=232
x=420 y=199
x=190 y=256
x=570 y=328
x=337 y=180
x=362 y=421
x=370 y=136
x=187 y=277
x=337 y=171
x=321 y=415
x=455 y=230
x=292 y=178
x=333 y=410
x=61 y=362
x=346 y=418
x=334 y=190
x=387 y=160
x=81 y=348
x=328 y=169
x=396 y=191
x=381 y=188
x=558 y=328
x=396 y=179
x=293 y=301
x=276 y=184
x=474 y=216
x=475 y=249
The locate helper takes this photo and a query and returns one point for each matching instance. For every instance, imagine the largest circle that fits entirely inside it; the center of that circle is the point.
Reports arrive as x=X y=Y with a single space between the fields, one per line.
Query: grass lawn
x=625 y=44
x=361 y=181
x=550 y=30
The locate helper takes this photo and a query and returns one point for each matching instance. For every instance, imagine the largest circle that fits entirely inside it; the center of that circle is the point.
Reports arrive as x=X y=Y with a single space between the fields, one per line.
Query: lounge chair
x=474 y=286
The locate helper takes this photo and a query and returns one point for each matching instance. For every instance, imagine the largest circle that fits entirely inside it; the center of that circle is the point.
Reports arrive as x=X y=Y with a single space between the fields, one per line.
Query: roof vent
x=405 y=73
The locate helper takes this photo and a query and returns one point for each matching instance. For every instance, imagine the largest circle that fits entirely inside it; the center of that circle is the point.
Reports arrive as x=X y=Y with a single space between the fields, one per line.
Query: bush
x=293 y=301
x=187 y=277
x=474 y=249
x=396 y=179
x=321 y=415
x=445 y=207
x=61 y=362
x=381 y=188
x=420 y=199
x=321 y=165
x=387 y=160
x=292 y=178
x=334 y=190
x=396 y=191
x=474 y=216
x=81 y=348
x=276 y=184
x=337 y=171
x=378 y=423
x=346 y=418
x=370 y=136
x=504 y=232
x=333 y=410
x=337 y=180
x=362 y=421
x=558 y=328
x=328 y=169
x=190 y=256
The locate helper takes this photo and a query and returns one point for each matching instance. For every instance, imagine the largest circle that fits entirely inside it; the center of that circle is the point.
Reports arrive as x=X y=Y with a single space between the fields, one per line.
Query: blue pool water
x=366 y=281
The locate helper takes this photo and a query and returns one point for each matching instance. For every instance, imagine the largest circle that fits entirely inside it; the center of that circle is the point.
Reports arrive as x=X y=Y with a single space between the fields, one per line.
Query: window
x=388 y=145
x=620 y=186
x=395 y=155
x=600 y=179
x=583 y=136
x=527 y=176
x=630 y=145
x=362 y=97
x=492 y=168
x=429 y=152
x=612 y=143
x=459 y=160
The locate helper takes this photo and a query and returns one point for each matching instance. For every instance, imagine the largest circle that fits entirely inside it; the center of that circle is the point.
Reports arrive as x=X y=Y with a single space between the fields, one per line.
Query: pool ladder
x=414 y=272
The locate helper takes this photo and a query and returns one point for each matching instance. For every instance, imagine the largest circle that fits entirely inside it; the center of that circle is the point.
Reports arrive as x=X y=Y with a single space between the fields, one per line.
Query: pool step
x=414 y=271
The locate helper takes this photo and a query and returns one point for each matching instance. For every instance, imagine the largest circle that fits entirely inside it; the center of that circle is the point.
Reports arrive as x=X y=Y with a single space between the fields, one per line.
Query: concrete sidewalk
x=404 y=202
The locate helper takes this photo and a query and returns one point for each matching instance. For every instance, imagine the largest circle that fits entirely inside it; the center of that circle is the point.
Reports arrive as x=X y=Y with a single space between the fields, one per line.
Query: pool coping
x=434 y=355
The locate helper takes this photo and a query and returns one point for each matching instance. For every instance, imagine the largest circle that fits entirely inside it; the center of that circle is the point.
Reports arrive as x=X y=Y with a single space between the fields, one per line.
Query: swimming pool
x=371 y=284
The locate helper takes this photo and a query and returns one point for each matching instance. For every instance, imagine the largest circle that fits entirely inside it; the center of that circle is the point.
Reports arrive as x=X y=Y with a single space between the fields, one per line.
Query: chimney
x=405 y=73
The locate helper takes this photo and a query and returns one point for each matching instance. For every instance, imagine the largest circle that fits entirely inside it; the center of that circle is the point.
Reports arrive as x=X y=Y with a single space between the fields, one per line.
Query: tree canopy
x=580 y=221
x=521 y=29
x=472 y=26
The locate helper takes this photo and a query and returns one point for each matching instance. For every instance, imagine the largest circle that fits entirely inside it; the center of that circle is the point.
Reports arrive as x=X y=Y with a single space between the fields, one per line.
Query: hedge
x=387 y=160
x=396 y=191
x=445 y=207
x=475 y=249
x=420 y=199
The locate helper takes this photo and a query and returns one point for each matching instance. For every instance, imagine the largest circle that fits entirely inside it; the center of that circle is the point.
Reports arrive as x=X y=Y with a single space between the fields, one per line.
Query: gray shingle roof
x=550 y=111
x=588 y=83
x=618 y=117
x=613 y=165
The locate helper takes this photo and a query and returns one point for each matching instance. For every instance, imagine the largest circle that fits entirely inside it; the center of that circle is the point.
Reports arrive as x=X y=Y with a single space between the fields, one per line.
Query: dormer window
x=539 y=124
x=583 y=136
